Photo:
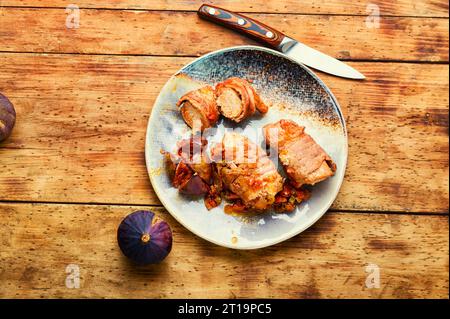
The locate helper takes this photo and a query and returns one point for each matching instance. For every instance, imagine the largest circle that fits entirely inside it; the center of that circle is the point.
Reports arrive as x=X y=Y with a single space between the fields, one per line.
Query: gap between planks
x=239 y=11
x=198 y=56
x=331 y=210
x=326 y=261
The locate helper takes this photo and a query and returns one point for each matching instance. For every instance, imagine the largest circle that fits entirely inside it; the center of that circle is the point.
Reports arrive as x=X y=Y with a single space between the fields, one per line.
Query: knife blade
x=278 y=41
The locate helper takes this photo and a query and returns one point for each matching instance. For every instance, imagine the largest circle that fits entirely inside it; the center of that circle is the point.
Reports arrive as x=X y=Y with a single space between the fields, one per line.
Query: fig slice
x=195 y=186
x=190 y=169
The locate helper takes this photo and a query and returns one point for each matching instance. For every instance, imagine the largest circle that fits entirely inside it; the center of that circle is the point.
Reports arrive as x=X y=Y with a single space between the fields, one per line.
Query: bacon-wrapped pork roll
x=304 y=161
x=237 y=99
x=199 y=108
x=246 y=170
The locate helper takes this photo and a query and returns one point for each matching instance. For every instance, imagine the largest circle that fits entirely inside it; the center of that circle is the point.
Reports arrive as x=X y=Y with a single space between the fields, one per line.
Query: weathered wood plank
x=81 y=127
x=386 y=7
x=328 y=260
x=183 y=33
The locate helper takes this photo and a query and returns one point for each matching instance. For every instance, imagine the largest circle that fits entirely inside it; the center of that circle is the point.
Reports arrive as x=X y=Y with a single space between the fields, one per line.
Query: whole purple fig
x=7 y=117
x=144 y=238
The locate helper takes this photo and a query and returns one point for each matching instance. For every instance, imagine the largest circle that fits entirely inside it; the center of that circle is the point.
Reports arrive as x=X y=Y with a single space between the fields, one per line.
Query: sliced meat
x=199 y=108
x=246 y=170
x=237 y=99
x=304 y=161
x=230 y=103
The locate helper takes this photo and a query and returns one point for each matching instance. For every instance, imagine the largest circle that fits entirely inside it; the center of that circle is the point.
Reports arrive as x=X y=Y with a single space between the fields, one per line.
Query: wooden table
x=74 y=166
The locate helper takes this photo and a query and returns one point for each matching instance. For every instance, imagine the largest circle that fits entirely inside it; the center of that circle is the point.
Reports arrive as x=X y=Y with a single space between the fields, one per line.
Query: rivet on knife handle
x=238 y=22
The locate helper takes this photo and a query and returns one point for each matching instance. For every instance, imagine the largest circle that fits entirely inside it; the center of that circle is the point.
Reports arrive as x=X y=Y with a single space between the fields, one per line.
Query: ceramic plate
x=293 y=92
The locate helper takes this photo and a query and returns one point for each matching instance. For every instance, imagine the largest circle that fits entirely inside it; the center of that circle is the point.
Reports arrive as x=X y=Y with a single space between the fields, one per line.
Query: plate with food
x=245 y=147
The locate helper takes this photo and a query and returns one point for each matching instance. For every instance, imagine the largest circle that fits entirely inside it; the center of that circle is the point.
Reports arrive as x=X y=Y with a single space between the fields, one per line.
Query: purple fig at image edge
x=7 y=117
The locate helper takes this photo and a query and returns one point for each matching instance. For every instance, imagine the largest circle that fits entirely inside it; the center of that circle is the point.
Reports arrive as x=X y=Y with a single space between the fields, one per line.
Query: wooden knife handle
x=238 y=22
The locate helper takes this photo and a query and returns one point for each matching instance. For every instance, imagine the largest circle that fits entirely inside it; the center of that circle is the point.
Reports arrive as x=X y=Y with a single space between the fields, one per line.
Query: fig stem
x=145 y=238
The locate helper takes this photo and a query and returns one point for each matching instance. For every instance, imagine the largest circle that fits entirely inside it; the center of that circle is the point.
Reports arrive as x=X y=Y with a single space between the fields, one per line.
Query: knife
x=278 y=41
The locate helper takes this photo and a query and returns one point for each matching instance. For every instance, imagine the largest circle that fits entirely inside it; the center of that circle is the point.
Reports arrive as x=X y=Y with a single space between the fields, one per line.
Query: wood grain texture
x=82 y=120
x=183 y=33
x=387 y=7
x=328 y=260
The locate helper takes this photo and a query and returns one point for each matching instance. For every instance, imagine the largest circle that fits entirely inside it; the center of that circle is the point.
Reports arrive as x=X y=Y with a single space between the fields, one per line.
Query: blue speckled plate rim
x=335 y=104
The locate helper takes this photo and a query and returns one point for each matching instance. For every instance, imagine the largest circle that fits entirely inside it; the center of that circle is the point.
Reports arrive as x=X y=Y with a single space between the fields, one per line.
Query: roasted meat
x=304 y=161
x=237 y=99
x=246 y=171
x=199 y=108
x=234 y=98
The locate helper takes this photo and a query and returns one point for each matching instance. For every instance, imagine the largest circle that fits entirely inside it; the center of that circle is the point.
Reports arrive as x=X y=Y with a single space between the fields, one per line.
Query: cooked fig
x=7 y=117
x=144 y=238
x=194 y=186
x=192 y=151
x=183 y=173
x=190 y=169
